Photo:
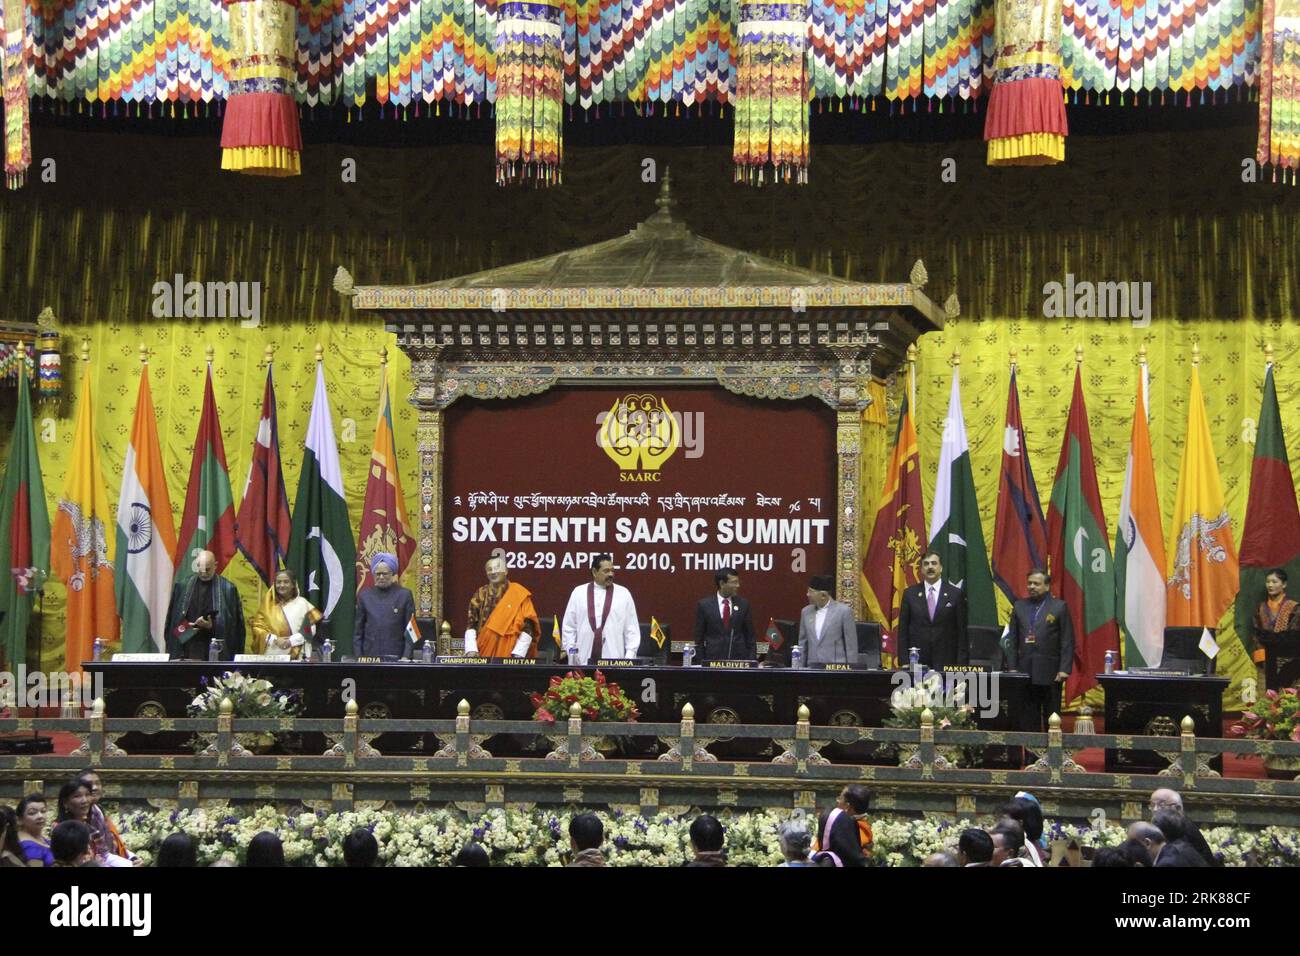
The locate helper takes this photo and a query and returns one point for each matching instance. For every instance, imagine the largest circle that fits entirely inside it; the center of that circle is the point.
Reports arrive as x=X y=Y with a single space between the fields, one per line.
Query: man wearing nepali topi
x=501 y=621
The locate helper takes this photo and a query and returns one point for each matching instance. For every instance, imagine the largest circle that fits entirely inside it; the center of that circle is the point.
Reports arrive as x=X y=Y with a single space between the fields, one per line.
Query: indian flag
x=146 y=535
x=1140 y=547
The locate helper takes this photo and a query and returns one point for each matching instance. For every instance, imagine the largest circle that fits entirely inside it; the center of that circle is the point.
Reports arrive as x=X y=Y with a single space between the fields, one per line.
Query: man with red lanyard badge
x=601 y=620
x=1041 y=643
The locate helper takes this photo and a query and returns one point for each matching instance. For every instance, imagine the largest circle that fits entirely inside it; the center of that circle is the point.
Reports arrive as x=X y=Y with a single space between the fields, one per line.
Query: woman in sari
x=286 y=621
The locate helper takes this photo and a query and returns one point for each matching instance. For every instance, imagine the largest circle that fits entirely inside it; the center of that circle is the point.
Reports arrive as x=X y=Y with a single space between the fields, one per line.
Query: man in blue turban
x=384 y=613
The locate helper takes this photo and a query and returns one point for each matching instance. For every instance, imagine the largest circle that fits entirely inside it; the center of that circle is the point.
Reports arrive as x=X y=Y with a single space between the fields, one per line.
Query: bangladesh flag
x=1271 y=538
x=322 y=552
x=956 y=534
x=208 y=522
x=24 y=533
x=1078 y=548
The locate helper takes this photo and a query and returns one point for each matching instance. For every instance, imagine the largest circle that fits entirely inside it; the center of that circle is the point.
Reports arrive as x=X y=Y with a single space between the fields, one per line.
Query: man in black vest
x=932 y=618
x=1041 y=643
x=723 y=627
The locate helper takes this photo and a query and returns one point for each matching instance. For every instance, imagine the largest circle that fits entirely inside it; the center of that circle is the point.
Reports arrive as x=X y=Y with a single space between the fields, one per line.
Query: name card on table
x=463 y=660
x=150 y=658
x=525 y=661
x=839 y=667
x=368 y=660
x=965 y=669
x=731 y=665
x=622 y=662
x=261 y=658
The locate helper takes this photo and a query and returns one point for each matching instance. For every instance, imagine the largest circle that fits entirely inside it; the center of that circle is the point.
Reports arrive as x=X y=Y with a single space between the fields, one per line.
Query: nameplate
x=150 y=658
x=621 y=662
x=839 y=667
x=762 y=647
x=965 y=669
x=463 y=660
x=515 y=660
x=368 y=660
x=677 y=647
x=1151 y=673
x=261 y=658
x=731 y=665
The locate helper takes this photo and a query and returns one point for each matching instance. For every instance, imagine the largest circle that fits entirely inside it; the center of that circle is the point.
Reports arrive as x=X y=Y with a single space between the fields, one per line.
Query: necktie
x=932 y=599
x=726 y=616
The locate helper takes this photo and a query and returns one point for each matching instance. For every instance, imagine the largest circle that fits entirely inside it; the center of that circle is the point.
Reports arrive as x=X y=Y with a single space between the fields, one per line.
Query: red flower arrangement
x=599 y=699
x=1274 y=717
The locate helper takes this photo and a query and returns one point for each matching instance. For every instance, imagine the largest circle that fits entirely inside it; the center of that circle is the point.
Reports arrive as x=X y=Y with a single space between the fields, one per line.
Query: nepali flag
x=262 y=527
x=1020 y=535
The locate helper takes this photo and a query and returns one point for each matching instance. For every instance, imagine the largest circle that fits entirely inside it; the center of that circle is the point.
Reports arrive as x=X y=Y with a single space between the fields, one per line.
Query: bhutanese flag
x=146 y=535
x=893 y=558
x=208 y=521
x=385 y=527
x=81 y=551
x=1202 y=569
x=775 y=639
x=24 y=533
x=1271 y=536
x=1140 y=547
x=555 y=632
x=656 y=633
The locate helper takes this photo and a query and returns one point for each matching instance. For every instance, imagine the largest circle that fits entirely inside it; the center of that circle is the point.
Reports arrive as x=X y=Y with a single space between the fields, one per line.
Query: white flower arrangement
x=540 y=837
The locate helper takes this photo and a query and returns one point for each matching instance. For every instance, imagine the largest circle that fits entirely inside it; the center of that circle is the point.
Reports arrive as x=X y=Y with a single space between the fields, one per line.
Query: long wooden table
x=497 y=691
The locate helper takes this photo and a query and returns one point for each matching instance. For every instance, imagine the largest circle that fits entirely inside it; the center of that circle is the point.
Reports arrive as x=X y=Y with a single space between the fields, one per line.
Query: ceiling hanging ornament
x=18 y=129
x=1026 y=125
x=1279 y=88
x=771 y=138
x=530 y=91
x=260 y=134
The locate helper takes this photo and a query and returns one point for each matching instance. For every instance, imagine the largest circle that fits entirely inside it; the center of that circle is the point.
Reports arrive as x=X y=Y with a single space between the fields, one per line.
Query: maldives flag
x=208 y=522
x=893 y=558
x=1078 y=549
x=1271 y=538
x=262 y=526
x=24 y=533
x=385 y=527
x=1020 y=535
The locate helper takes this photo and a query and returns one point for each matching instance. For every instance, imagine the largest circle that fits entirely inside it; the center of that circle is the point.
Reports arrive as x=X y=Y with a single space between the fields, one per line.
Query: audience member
x=1178 y=851
x=360 y=848
x=796 y=842
x=265 y=849
x=1111 y=856
x=1135 y=852
x=1026 y=810
x=1008 y=844
x=586 y=834
x=178 y=849
x=974 y=848
x=11 y=851
x=941 y=858
x=70 y=844
x=104 y=837
x=1149 y=837
x=472 y=854
x=31 y=830
x=1165 y=799
x=706 y=841
x=74 y=802
x=845 y=830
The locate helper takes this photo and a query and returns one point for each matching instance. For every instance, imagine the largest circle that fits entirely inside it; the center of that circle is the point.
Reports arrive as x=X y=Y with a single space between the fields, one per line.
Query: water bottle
x=796 y=656
x=1110 y=662
x=426 y=653
x=913 y=657
x=572 y=653
x=214 y=650
x=688 y=655
x=327 y=650
x=98 y=652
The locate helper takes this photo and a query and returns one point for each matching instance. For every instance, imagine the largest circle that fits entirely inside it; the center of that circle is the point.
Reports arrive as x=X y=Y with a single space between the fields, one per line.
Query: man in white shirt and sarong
x=601 y=620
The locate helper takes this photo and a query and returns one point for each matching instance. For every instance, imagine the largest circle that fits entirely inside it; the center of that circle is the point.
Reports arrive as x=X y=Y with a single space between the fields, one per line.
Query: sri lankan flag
x=657 y=633
x=893 y=559
x=385 y=527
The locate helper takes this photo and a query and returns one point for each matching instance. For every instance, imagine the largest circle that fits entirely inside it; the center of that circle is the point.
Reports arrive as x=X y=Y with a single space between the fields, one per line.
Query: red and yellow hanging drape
x=260 y=133
x=771 y=137
x=1026 y=125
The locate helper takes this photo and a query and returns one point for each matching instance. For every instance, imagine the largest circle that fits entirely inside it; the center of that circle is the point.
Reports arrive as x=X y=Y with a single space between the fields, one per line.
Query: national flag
x=322 y=552
x=262 y=526
x=1271 y=536
x=555 y=632
x=1203 y=574
x=81 y=551
x=1078 y=549
x=956 y=533
x=1140 y=546
x=146 y=535
x=385 y=527
x=893 y=558
x=1020 y=534
x=775 y=639
x=657 y=633
x=208 y=521
x=24 y=533
x=413 y=631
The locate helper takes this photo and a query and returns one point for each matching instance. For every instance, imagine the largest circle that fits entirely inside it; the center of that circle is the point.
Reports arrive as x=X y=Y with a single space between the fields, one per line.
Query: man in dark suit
x=723 y=627
x=1041 y=643
x=932 y=618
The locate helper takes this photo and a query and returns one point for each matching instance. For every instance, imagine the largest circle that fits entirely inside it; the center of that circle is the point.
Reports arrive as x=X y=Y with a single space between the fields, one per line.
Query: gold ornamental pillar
x=429 y=447
x=852 y=374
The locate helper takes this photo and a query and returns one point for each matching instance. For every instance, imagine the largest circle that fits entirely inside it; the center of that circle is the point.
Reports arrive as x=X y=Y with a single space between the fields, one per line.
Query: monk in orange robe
x=501 y=621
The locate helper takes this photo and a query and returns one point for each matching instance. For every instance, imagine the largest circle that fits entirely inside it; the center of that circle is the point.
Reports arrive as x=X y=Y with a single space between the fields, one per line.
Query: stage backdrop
x=673 y=482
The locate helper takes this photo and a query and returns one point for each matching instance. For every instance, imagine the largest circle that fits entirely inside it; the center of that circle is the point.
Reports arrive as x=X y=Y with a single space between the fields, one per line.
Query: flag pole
x=1015 y=354
x=911 y=377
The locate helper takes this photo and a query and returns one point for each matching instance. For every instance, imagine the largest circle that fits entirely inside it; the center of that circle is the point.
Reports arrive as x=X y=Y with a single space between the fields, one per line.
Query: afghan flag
x=385 y=527
x=893 y=558
x=956 y=534
x=322 y=552
x=24 y=533
x=81 y=552
x=1271 y=538
x=146 y=535
x=262 y=526
x=1203 y=573
x=208 y=522
x=1020 y=535
x=1078 y=549
x=1140 y=547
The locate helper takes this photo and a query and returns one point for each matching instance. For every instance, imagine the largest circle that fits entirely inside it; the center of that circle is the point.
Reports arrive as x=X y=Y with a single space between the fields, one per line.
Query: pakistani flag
x=24 y=533
x=956 y=534
x=146 y=535
x=322 y=552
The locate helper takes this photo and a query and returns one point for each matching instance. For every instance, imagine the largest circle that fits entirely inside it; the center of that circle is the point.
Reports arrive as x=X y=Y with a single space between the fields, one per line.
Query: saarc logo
x=639 y=433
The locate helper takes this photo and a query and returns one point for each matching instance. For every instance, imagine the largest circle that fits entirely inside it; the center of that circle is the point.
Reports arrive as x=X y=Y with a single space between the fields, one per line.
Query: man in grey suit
x=827 y=632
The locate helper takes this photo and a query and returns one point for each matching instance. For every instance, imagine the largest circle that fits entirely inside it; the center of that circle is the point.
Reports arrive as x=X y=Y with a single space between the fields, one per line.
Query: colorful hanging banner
x=530 y=90
x=1026 y=123
x=260 y=134
x=771 y=138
